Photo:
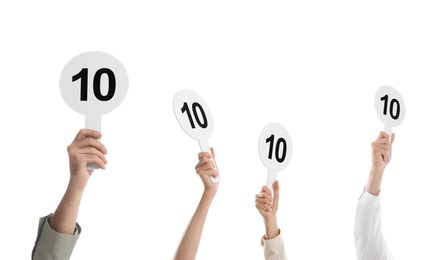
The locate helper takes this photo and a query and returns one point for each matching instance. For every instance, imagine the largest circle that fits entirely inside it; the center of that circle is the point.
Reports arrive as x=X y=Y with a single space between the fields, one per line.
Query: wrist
x=78 y=181
x=270 y=220
x=210 y=191
x=374 y=182
x=271 y=228
x=75 y=187
x=376 y=171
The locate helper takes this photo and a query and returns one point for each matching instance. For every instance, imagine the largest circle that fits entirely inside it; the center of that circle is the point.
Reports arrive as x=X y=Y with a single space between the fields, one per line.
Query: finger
x=381 y=151
x=266 y=190
x=380 y=146
x=259 y=195
x=202 y=155
x=85 y=159
x=90 y=142
x=91 y=158
x=264 y=201
x=263 y=207
x=264 y=195
x=383 y=135
x=92 y=151
x=84 y=133
x=392 y=139
x=215 y=173
x=79 y=154
x=382 y=140
x=376 y=145
x=202 y=166
x=208 y=172
x=205 y=164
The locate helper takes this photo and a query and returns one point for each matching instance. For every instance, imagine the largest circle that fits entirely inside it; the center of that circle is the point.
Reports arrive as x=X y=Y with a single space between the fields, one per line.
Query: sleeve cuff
x=368 y=200
x=77 y=230
x=276 y=242
x=53 y=245
x=274 y=248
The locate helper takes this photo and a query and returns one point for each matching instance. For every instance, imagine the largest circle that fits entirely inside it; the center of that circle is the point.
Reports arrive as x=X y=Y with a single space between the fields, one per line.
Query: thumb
x=213 y=157
x=212 y=152
x=276 y=195
x=392 y=138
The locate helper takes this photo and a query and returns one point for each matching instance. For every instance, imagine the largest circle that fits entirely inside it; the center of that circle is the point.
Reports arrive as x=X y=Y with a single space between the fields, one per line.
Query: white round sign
x=93 y=83
x=275 y=147
x=193 y=115
x=195 y=118
x=390 y=107
x=275 y=150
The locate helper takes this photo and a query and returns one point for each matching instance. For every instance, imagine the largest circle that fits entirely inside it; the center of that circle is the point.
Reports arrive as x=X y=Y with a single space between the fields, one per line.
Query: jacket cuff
x=368 y=200
x=53 y=245
x=274 y=244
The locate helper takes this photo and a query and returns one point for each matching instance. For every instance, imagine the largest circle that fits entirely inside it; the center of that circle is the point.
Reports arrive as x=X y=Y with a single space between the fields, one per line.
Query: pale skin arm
x=189 y=244
x=267 y=207
x=83 y=150
x=381 y=156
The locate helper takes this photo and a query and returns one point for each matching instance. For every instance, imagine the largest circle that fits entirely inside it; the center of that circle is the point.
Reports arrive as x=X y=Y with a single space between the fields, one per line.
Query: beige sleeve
x=51 y=245
x=274 y=249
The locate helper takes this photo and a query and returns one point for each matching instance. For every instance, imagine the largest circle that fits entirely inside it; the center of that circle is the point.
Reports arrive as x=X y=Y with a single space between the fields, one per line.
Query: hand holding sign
x=195 y=118
x=275 y=150
x=93 y=83
x=390 y=107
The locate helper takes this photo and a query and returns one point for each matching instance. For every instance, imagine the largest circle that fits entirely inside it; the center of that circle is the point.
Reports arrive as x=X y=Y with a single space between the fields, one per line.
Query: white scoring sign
x=390 y=107
x=195 y=118
x=93 y=83
x=275 y=150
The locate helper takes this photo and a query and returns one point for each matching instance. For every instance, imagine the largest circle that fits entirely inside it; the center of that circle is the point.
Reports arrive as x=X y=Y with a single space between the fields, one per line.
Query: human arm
x=381 y=155
x=189 y=244
x=368 y=235
x=58 y=233
x=267 y=206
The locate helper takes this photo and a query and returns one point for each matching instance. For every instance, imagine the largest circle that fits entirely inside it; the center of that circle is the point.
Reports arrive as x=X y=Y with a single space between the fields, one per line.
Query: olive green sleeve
x=51 y=245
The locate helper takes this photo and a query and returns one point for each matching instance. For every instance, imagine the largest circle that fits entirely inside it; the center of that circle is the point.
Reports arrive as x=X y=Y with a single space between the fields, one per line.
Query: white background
x=313 y=66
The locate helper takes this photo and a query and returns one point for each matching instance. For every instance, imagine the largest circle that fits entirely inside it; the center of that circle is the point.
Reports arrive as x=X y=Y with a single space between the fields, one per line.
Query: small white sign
x=275 y=150
x=195 y=118
x=390 y=107
x=93 y=83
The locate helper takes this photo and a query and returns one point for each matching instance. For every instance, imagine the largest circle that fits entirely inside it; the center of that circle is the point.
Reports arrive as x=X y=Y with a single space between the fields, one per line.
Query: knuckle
x=71 y=148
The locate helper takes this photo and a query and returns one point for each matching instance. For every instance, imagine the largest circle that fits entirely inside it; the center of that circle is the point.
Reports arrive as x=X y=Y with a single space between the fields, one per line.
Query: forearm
x=189 y=244
x=272 y=242
x=64 y=219
x=373 y=186
x=271 y=227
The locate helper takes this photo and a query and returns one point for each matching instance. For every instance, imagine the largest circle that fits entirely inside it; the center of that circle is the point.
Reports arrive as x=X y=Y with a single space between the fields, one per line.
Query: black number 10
x=83 y=75
x=195 y=107
x=279 y=142
x=393 y=102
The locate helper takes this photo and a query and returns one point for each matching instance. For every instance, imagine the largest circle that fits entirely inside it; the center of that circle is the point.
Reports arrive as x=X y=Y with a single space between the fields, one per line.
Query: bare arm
x=56 y=239
x=83 y=150
x=189 y=244
x=381 y=156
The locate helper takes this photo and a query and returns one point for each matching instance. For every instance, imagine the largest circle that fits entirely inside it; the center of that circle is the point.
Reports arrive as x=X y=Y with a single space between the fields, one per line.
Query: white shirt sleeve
x=274 y=249
x=368 y=235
